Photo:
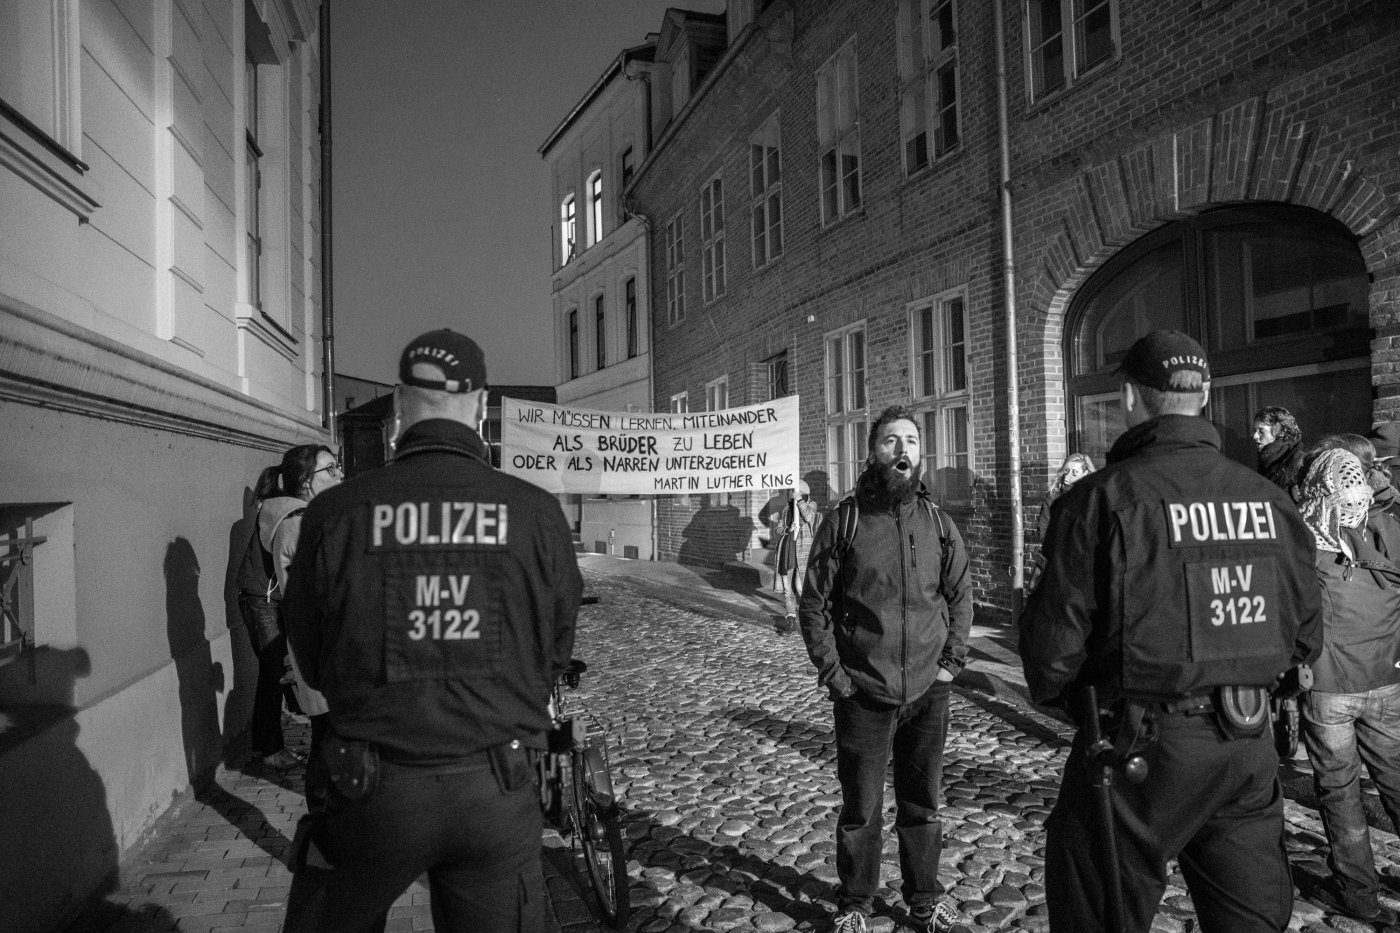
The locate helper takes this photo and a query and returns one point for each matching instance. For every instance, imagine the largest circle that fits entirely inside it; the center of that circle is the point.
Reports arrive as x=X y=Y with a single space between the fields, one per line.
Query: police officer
x=433 y=603
x=1179 y=585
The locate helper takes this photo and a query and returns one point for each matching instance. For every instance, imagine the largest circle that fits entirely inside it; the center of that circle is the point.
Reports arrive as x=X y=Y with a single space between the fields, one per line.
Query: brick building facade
x=1229 y=168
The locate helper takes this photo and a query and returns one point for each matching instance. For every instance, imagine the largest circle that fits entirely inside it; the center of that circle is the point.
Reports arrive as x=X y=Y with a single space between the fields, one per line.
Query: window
x=845 y=406
x=600 y=342
x=595 y=208
x=712 y=239
x=1059 y=56
x=776 y=369
x=37 y=605
x=568 y=215
x=629 y=167
x=573 y=343
x=838 y=135
x=938 y=337
x=765 y=188
x=40 y=106
x=254 y=187
x=717 y=394
x=680 y=403
x=928 y=71
x=629 y=291
x=675 y=272
x=1278 y=296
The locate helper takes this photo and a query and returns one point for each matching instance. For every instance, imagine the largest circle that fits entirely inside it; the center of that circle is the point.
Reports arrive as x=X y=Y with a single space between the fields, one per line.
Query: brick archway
x=1244 y=154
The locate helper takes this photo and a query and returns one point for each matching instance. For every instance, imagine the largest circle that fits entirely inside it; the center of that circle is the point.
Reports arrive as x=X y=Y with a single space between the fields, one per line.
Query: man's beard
x=894 y=483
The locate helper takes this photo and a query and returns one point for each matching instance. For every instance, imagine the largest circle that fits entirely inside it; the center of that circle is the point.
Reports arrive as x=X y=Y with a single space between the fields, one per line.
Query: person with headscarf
x=1351 y=715
x=1280 y=446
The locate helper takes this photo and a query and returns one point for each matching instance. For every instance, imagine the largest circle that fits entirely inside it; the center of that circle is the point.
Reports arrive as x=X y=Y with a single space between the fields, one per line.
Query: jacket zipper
x=904 y=610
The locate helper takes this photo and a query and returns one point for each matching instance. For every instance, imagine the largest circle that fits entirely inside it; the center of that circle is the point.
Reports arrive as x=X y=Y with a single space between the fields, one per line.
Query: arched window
x=1277 y=296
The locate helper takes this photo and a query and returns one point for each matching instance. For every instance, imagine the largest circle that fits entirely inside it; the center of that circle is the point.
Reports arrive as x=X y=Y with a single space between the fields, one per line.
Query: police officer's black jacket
x=433 y=600
x=1171 y=571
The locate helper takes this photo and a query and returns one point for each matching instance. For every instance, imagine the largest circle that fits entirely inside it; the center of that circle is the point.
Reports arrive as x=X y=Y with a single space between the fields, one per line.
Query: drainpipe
x=645 y=78
x=327 y=314
x=1013 y=404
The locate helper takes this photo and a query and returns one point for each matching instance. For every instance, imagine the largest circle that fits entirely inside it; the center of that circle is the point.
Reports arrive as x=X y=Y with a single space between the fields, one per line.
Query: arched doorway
x=1278 y=297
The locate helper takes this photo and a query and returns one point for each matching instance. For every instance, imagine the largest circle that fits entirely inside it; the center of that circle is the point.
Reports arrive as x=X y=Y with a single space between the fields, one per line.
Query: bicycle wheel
x=599 y=827
x=1286 y=728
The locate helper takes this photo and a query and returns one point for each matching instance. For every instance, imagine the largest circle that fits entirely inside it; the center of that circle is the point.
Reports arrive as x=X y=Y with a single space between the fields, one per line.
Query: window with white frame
x=595 y=207
x=1066 y=39
x=845 y=406
x=600 y=342
x=629 y=292
x=712 y=239
x=938 y=368
x=929 y=81
x=675 y=271
x=568 y=228
x=838 y=134
x=40 y=103
x=253 y=185
x=765 y=189
x=717 y=394
x=267 y=182
x=573 y=343
x=680 y=403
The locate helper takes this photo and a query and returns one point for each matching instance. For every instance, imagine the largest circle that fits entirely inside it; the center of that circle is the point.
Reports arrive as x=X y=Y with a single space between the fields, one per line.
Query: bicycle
x=576 y=794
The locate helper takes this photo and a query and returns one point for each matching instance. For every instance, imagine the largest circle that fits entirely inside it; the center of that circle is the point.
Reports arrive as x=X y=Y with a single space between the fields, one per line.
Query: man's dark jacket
x=433 y=600
x=882 y=618
x=1170 y=571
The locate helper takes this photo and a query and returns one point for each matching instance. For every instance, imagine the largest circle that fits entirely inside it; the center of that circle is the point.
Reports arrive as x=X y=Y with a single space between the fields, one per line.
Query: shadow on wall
x=238 y=706
x=715 y=535
x=53 y=804
x=200 y=679
x=819 y=482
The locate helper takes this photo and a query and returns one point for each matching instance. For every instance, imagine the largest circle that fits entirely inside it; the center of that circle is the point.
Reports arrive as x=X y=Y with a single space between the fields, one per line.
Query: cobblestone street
x=723 y=758
x=727 y=776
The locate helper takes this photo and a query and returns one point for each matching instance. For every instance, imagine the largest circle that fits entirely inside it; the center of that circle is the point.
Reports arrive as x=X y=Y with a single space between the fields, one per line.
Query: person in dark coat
x=1385 y=439
x=1280 y=446
x=1351 y=716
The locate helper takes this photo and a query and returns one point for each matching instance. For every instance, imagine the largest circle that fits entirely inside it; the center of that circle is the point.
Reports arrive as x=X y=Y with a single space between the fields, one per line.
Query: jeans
x=1342 y=731
x=867 y=734
x=1215 y=804
x=480 y=846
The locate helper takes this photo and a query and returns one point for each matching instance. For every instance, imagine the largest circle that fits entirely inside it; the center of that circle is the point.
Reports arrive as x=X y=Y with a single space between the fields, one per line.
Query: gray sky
x=441 y=201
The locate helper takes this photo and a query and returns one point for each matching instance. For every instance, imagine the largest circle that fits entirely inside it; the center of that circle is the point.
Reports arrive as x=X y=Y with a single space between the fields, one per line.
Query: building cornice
x=51 y=363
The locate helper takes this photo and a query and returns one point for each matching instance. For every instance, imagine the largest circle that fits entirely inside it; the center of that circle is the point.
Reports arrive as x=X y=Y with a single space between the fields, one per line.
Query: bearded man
x=885 y=612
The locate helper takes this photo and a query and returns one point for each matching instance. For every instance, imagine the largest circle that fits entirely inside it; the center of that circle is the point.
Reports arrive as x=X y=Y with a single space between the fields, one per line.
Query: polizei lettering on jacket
x=1190 y=524
x=415 y=524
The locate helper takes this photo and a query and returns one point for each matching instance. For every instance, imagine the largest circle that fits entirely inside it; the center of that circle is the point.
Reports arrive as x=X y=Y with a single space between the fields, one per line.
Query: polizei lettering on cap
x=410 y=524
x=1193 y=523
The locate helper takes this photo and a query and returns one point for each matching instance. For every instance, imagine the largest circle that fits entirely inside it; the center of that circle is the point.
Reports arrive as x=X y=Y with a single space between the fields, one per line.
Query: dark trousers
x=479 y=845
x=868 y=735
x=1342 y=731
x=265 y=727
x=1214 y=804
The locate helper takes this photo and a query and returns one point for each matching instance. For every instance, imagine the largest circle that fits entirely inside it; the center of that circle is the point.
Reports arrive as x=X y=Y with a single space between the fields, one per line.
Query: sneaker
x=942 y=917
x=282 y=760
x=850 y=920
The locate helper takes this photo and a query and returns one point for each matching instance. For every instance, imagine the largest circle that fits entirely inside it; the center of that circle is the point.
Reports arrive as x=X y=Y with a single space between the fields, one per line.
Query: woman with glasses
x=305 y=471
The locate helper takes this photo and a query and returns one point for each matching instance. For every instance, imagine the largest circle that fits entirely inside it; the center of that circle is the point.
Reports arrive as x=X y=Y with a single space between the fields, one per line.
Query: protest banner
x=577 y=450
